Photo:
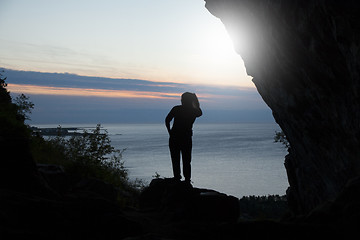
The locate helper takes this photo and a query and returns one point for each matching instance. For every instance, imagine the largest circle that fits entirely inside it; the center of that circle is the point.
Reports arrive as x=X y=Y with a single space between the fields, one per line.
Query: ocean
x=238 y=159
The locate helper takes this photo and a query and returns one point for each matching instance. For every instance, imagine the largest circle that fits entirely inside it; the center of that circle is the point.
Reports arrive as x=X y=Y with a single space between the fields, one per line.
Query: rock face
x=343 y=211
x=184 y=202
x=304 y=59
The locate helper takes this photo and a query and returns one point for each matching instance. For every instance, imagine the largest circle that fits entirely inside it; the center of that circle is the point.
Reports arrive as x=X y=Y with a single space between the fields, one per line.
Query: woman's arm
x=198 y=112
x=168 y=119
x=196 y=106
x=195 y=102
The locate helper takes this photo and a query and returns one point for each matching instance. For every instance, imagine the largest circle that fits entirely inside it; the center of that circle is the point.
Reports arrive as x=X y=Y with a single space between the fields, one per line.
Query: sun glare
x=217 y=58
x=219 y=44
x=160 y=46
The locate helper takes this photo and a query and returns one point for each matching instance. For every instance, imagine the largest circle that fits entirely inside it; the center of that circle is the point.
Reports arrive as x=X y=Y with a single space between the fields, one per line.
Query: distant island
x=59 y=131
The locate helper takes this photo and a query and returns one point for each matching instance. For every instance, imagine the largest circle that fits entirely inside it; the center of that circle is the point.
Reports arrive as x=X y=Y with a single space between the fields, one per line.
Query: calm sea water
x=237 y=159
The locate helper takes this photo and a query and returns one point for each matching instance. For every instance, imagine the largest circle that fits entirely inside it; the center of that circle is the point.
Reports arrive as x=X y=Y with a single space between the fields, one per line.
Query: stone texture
x=304 y=59
x=343 y=211
x=184 y=202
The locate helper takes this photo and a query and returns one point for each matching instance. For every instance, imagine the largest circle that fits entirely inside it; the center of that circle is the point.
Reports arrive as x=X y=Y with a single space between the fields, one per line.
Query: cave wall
x=304 y=60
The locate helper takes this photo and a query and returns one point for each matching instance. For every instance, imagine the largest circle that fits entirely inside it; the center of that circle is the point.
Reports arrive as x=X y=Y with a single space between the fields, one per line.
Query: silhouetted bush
x=263 y=207
x=24 y=106
x=281 y=138
x=87 y=155
x=11 y=118
x=15 y=158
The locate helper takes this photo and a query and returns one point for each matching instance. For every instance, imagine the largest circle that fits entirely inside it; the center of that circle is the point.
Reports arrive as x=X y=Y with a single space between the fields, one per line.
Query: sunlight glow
x=219 y=44
x=134 y=39
x=216 y=57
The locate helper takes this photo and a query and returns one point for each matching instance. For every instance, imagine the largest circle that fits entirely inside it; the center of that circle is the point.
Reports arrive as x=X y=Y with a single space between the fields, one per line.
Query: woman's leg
x=175 y=157
x=186 y=157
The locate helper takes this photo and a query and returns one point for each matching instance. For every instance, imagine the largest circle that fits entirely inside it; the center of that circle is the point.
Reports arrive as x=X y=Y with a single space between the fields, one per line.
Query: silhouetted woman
x=180 y=141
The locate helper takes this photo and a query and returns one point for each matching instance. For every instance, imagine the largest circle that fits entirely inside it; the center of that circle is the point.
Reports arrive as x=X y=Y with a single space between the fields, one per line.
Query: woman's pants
x=181 y=146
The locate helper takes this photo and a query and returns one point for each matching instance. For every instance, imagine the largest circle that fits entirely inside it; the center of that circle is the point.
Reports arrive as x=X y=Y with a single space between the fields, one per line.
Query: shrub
x=281 y=138
x=263 y=207
x=86 y=155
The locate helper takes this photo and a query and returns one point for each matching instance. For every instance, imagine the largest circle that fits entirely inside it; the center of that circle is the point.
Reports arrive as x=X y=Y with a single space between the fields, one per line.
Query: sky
x=161 y=42
x=70 y=98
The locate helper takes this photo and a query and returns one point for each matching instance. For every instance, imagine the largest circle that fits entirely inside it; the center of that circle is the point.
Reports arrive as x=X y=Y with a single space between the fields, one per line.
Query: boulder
x=182 y=201
x=343 y=211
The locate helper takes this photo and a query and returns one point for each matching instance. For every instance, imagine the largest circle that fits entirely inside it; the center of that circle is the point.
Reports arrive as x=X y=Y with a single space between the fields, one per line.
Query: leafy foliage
x=14 y=133
x=88 y=155
x=13 y=114
x=24 y=106
x=263 y=207
x=4 y=94
x=156 y=175
x=281 y=137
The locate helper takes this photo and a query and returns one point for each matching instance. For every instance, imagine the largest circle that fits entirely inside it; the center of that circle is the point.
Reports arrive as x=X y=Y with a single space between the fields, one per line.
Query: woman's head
x=189 y=99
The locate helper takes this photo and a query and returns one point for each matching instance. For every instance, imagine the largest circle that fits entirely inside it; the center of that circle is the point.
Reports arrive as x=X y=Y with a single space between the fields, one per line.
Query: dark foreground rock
x=168 y=210
x=73 y=217
x=180 y=211
x=343 y=212
x=74 y=209
x=186 y=202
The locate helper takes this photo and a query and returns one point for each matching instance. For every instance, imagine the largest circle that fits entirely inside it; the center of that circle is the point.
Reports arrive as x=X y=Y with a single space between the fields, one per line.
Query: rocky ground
x=166 y=209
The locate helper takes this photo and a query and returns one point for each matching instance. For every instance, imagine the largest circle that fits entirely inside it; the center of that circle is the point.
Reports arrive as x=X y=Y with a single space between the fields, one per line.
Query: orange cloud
x=89 y=92
x=64 y=91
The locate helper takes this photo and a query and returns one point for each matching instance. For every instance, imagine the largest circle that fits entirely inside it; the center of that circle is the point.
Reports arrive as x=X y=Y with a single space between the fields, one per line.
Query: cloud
x=87 y=92
x=77 y=81
x=66 y=84
x=24 y=55
x=63 y=97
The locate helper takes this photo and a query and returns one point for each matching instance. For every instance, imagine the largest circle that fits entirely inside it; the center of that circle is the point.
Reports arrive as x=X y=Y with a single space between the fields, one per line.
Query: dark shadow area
x=305 y=63
x=52 y=190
